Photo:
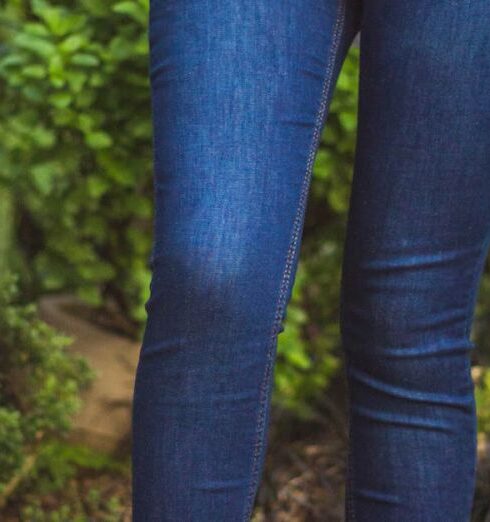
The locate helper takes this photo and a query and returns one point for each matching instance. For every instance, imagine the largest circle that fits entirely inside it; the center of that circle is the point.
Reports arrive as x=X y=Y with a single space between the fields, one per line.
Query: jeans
x=240 y=92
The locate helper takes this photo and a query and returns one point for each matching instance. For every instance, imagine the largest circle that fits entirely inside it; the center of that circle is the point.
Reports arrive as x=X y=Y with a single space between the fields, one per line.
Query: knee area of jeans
x=410 y=385
x=398 y=346
x=397 y=311
x=220 y=297
x=429 y=366
x=205 y=270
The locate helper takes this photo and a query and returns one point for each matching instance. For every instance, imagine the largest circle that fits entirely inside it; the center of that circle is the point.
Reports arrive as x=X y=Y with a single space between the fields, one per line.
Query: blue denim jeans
x=240 y=93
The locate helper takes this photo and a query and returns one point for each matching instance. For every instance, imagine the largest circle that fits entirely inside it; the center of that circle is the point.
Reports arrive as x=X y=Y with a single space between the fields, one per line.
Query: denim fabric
x=240 y=93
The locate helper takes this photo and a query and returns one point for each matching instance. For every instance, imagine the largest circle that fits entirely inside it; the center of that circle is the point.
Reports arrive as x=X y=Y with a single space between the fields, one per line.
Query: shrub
x=39 y=383
x=75 y=134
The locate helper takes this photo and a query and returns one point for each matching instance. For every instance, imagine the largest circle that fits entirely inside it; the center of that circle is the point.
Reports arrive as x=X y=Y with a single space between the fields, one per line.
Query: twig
x=12 y=484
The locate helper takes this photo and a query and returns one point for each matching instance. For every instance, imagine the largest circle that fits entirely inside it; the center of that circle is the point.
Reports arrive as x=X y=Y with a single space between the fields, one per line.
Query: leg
x=239 y=93
x=418 y=234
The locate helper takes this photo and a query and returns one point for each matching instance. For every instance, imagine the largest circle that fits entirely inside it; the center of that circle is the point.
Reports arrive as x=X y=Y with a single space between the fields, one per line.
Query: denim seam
x=293 y=246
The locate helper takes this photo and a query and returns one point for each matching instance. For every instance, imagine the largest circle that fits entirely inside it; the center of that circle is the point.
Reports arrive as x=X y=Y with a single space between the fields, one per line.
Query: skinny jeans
x=240 y=94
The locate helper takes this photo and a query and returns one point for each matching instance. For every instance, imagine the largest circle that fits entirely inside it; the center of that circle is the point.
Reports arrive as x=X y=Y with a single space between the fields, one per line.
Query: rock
x=104 y=422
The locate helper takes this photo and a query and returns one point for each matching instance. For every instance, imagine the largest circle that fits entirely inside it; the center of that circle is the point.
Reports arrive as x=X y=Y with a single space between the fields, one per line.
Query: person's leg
x=418 y=234
x=240 y=90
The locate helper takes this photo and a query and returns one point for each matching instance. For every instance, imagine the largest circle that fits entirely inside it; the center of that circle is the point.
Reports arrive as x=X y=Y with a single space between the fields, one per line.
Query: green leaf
x=85 y=60
x=73 y=43
x=61 y=99
x=39 y=46
x=98 y=140
x=34 y=71
x=60 y=21
x=348 y=121
x=45 y=175
x=132 y=9
x=97 y=186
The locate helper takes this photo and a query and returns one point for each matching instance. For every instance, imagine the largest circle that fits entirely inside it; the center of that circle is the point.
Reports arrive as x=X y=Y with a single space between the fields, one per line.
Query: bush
x=76 y=137
x=39 y=383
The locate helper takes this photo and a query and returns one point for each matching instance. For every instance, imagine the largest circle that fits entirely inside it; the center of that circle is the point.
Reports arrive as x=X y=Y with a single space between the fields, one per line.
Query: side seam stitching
x=297 y=226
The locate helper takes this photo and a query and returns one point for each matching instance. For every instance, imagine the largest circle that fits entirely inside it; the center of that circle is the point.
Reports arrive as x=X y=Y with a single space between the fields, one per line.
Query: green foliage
x=482 y=396
x=11 y=443
x=5 y=229
x=39 y=381
x=108 y=510
x=59 y=462
x=335 y=159
x=58 y=467
x=305 y=363
x=75 y=150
